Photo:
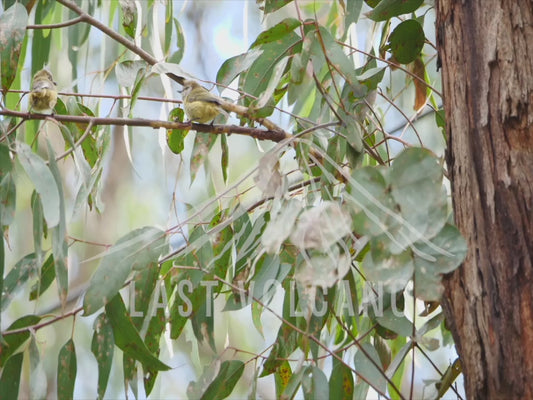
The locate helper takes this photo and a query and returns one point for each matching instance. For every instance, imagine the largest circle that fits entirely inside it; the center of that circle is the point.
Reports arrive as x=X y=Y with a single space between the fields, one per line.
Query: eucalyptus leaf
x=66 y=371
x=103 y=346
x=387 y=9
x=407 y=40
x=10 y=379
x=392 y=270
x=43 y=180
x=224 y=383
x=277 y=32
x=11 y=343
x=134 y=251
x=127 y=337
x=233 y=66
x=13 y=27
x=321 y=226
x=368 y=365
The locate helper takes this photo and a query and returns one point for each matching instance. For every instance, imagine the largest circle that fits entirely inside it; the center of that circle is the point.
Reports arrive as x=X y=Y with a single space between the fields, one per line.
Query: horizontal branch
x=260 y=134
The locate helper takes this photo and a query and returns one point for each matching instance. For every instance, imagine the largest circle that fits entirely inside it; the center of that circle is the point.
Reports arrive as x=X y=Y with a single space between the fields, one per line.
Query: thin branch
x=42 y=324
x=70 y=22
x=368 y=356
x=84 y=17
x=260 y=134
x=79 y=142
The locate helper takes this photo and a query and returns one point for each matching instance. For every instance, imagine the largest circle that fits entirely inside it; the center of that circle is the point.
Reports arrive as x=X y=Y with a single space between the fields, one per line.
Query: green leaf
x=449 y=377
x=10 y=380
x=282 y=377
x=66 y=371
x=406 y=41
x=341 y=385
x=387 y=9
x=444 y=253
x=294 y=383
x=222 y=242
x=39 y=226
x=353 y=10
x=316 y=385
x=6 y=164
x=8 y=198
x=273 y=5
x=396 y=322
x=371 y=201
x=392 y=270
x=224 y=383
x=277 y=32
x=13 y=27
x=416 y=186
x=153 y=336
x=43 y=180
x=233 y=66
x=2 y=268
x=176 y=137
x=202 y=319
x=38 y=387
x=134 y=251
x=11 y=342
x=370 y=368
x=59 y=232
x=267 y=271
x=103 y=346
x=46 y=278
x=17 y=277
x=286 y=342
x=224 y=157
x=129 y=17
x=177 y=56
x=127 y=337
x=258 y=76
x=322 y=41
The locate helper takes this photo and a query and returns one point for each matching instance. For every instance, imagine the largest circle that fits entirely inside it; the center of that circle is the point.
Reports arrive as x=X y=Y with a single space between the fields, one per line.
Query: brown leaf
x=421 y=92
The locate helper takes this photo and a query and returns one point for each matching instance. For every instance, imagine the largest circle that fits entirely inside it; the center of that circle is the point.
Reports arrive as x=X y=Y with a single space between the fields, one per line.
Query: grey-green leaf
x=102 y=346
x=134 y=251
x=43 y=180
x=66 y=371
x=12 y=31
x=368 y=365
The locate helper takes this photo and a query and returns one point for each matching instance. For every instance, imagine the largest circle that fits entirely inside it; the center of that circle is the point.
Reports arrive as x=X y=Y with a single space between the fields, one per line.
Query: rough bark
x=486 y=50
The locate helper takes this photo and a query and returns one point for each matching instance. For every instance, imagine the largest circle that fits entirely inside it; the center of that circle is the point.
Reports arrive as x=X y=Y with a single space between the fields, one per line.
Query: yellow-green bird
x=200 y=105
x=43 y=95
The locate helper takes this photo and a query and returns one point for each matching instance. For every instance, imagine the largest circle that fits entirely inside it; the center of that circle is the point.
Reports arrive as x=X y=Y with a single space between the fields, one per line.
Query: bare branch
x=260 y=134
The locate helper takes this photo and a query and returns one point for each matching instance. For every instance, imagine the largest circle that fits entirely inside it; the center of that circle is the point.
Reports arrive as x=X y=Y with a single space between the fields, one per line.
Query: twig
x=260 y=134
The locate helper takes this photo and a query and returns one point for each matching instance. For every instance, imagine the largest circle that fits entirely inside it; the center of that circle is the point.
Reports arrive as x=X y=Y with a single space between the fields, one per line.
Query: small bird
x=43 y=95
x=200 y=105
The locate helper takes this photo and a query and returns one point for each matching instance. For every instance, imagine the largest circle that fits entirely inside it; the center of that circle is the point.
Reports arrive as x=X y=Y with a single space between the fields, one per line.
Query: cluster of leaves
x=359 y=216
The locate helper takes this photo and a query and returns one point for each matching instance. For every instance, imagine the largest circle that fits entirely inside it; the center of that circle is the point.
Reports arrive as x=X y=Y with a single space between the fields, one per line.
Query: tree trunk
x=486 y=50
